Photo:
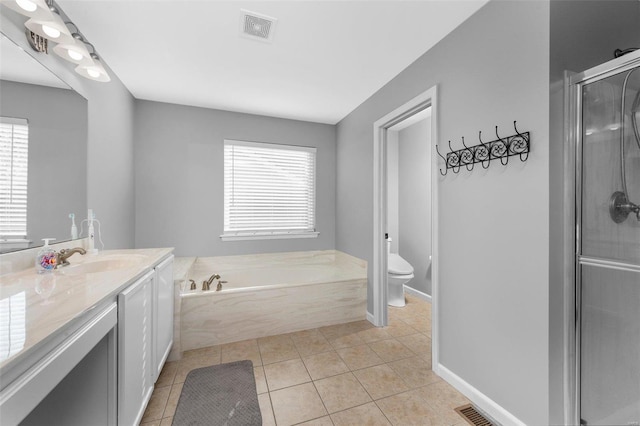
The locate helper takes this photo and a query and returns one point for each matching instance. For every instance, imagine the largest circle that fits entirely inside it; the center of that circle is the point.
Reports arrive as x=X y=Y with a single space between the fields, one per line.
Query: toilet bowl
x=399 y=272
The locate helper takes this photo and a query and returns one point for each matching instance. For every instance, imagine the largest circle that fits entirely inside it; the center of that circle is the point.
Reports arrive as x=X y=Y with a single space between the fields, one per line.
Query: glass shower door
x=608 y=260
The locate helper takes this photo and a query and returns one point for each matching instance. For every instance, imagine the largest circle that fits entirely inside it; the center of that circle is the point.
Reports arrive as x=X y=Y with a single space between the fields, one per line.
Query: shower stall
x=606 y=136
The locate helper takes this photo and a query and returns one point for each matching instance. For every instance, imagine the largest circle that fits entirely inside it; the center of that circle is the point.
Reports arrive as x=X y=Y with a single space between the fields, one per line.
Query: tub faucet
x=206 y=285
x=64 y=254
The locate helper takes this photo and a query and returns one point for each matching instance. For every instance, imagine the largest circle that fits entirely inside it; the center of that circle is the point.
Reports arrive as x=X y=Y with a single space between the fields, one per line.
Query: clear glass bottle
x=46 y=258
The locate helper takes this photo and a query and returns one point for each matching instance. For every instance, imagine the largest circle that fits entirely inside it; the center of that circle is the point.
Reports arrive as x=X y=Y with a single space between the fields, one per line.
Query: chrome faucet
x=206 y=285
x=64 y=254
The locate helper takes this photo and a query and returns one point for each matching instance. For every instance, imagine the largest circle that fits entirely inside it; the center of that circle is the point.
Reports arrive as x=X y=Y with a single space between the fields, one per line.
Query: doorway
x=422 y=102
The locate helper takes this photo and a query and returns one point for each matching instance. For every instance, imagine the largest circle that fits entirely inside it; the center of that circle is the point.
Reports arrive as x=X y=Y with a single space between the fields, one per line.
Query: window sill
x=269 y=236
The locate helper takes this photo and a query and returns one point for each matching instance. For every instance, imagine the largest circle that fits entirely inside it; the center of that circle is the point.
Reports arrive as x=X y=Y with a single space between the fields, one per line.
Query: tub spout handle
x=193 y=284
x=219 y=286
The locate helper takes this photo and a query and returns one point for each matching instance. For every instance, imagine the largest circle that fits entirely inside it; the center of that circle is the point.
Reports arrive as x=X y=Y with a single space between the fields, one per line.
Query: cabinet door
x=163 y=314
x=135 y=382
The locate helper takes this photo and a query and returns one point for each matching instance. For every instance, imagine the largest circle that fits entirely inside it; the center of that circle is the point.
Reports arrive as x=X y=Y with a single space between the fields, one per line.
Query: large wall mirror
x=37 y=106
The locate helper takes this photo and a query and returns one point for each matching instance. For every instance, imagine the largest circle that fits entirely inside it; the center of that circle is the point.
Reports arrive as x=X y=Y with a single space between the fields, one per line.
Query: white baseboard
x=370 y=318
x=483 y=402
x=417 y=293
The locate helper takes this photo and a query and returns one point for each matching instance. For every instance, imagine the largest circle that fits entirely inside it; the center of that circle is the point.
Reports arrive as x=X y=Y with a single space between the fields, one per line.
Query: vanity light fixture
x=51 y=27
x=30 y=8
x=94 y=70
x=46 y=22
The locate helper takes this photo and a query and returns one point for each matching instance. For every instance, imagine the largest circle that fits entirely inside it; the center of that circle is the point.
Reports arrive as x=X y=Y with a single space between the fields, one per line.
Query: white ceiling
x=326 y=58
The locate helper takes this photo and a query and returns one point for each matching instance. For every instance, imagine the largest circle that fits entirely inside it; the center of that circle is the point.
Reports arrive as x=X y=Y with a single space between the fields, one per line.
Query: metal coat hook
x=501 y=149
x=446 y=169
x=520 y=142
x=467 y=156
x=484 y=153
x=453 y=159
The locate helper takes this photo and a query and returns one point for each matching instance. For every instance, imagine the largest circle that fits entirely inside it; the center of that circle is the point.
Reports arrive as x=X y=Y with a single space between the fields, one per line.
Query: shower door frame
x=574 y=82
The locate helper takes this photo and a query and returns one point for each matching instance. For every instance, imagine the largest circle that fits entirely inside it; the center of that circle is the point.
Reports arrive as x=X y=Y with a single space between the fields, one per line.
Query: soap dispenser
x=46 y=258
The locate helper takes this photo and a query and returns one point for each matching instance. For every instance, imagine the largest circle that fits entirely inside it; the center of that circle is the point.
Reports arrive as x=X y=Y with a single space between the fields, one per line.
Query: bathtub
x=268 y=294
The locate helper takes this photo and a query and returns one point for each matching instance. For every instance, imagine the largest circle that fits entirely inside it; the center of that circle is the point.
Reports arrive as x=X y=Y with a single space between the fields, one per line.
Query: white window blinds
x=269 y=190
x=14 y=159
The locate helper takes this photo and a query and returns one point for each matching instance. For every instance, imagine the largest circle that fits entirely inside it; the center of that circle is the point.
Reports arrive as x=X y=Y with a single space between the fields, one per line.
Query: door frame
x=379 y=318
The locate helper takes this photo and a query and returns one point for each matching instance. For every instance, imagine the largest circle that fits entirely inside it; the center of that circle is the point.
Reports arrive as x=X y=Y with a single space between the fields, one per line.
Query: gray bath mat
x=223 y=394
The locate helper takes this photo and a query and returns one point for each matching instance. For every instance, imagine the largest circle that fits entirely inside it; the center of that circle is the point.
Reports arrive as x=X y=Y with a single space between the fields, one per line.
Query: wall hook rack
x=502 y=148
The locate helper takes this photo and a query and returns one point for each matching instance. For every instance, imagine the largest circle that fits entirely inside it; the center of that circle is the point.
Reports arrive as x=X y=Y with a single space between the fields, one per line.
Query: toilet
x=399 y=272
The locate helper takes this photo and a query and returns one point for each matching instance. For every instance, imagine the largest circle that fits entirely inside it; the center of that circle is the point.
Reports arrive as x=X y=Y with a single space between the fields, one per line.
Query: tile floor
x=346 y=374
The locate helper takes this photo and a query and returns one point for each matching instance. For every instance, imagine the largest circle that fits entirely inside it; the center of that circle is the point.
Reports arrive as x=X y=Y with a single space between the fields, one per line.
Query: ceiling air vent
x=257 y=26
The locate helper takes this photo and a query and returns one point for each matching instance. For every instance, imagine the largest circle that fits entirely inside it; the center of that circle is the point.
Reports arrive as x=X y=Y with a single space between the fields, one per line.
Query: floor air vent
x=472 y=416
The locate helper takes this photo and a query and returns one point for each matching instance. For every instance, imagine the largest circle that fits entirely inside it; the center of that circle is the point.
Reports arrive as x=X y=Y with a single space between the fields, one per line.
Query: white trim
x=370 y=317
x=379 y=268
x=270 y=236
x=271 y=145
x=417 y=293
x=482 y=401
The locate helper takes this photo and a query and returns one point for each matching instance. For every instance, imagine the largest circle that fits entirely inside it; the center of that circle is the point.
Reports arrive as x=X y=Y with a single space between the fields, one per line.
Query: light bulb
x=50 y=31
x=93 y=72
x=27 y=5
x=74 y=54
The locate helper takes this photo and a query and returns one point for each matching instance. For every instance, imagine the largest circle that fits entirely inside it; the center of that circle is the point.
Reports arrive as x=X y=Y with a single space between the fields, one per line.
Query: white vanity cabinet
x=145 y=337
x=135 y=376
x=162 y=315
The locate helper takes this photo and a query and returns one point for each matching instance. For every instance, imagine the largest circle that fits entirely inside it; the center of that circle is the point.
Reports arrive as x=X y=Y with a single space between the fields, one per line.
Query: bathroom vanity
x=86 y=343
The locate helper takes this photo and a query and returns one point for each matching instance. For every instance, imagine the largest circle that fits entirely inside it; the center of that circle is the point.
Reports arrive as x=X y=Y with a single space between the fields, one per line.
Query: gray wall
x=57 y=179
x=493 y=249
x=582 y=34
x=179 y=177
x=415 y=201
x=109 y=141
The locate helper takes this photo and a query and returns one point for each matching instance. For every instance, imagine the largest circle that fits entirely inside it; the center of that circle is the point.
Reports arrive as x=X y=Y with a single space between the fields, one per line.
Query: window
x=14 y=150
x=269 y=191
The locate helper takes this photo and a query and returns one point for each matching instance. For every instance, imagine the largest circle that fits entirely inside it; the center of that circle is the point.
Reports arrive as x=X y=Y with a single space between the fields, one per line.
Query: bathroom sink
x=104 y=264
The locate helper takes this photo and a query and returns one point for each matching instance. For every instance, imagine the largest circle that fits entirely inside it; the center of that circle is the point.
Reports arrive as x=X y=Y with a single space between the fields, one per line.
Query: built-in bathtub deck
x=269 y=294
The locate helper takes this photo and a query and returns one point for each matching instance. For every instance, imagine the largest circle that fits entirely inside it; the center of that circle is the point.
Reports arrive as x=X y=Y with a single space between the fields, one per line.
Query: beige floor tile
x=322 y=421
x=399 y=328
x=261 y=380
x=415 y=371
x=269 y=356
x=186 y=365
x=155 y=408
x=167 y=374
x=407 y=408
x=312 y=344
x=241 y=354
x=364 y=415
x=212 y=351
x=167 y=421
x=417 y=342
x=172 y=401
x=341 y=392
x=275 y=342
x=241 y=345
x=334 y=331
x=152 y=423
x=391 y=350
x=286 y=373
x=297 y=404
x=266 y=411
x=374 y=334
x=358 y=357
x=441 y=394
x=324 y=365
x=380 y=381
x=346 y=341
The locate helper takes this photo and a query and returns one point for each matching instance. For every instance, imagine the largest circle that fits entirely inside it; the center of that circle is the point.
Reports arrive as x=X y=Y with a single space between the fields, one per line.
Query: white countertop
x=36 y=307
